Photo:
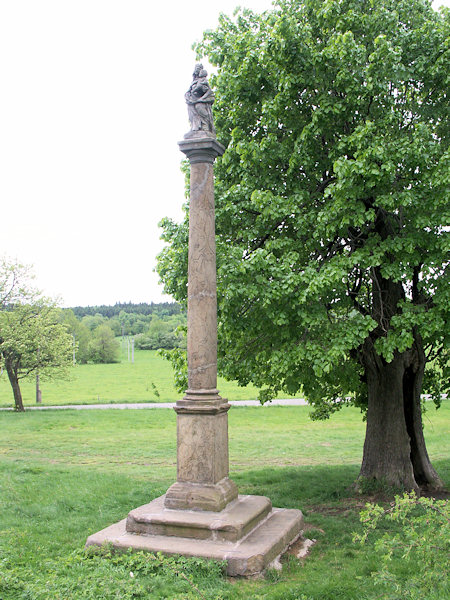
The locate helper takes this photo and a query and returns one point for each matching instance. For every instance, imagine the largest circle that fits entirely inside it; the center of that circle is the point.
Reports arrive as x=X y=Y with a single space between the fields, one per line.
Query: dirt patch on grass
x=332 y=510
x=358 y=503
x=344 y=508
x=436 y=494
x=300 y=548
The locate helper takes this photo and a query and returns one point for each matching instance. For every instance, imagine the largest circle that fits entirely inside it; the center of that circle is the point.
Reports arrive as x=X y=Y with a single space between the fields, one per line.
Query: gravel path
x=288 y=402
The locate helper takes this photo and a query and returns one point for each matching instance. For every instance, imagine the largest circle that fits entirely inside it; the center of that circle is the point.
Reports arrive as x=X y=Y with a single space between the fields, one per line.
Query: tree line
x=96 y=335
x=162 y=309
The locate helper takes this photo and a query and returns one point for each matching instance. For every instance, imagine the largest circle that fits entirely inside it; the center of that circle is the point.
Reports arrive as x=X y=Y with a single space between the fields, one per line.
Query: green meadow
x=67 y=474
x=148 y=379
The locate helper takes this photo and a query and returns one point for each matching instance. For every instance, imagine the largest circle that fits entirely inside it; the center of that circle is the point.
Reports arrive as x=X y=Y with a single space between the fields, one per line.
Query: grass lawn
x=65 y=475
x=148 y=379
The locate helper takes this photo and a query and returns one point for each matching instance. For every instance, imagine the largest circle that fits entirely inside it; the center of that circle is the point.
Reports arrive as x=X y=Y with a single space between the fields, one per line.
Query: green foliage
x=91 y=322
x=103 y=347
x=161 y=334
x=154 y=326
x=155 y=390
x=417 y=531
x=32 y=339
x=178 y=359
x=131 y=323
x=15 y=283
x=332 y=195
x=437 y=377
x=162 y=309
x=80 y=334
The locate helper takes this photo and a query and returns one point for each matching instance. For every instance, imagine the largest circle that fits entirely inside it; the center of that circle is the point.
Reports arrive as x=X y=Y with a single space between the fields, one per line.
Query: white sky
x=91 y=110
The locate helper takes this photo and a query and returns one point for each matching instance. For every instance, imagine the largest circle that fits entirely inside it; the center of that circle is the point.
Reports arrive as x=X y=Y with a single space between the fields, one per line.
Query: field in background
x=148 y=379
x=272 y=436
x=67 y=474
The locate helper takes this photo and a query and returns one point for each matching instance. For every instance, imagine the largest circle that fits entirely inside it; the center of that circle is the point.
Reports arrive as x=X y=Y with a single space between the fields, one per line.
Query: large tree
x=331 y=199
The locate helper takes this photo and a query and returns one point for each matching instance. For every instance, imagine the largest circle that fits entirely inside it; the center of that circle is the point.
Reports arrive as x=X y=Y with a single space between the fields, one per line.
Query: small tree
x=103 y=348
x=33 y=340
x=79 y=332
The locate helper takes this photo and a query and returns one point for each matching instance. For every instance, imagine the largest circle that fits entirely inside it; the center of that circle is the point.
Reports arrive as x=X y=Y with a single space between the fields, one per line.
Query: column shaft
x=202 y=420
x=202 y=303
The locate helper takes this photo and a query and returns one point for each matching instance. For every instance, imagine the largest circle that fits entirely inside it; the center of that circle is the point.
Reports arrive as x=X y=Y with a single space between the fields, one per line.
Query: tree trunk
x=14 y=380
x=424 y=473
x=394 y=449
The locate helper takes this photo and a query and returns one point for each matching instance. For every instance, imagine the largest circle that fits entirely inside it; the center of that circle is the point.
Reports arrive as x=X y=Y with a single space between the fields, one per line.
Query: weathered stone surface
x=200 y=150
x=231 y=524
x=202 y=447
x=196 y=496
x=202 y=402
x=200 y=99
x=201 y=514
x=202 y=421
x=202 y=302
x=248 y=556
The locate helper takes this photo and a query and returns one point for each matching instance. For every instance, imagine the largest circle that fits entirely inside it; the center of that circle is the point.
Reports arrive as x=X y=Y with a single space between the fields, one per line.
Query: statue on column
x=199 y=99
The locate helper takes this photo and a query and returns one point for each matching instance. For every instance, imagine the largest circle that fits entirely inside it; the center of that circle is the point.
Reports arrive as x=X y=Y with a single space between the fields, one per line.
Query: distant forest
x=161 y=309
x=97 y=329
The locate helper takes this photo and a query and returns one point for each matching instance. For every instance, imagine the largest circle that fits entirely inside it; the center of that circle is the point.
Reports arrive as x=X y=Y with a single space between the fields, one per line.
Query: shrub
x=103 y=347
x=413 y=548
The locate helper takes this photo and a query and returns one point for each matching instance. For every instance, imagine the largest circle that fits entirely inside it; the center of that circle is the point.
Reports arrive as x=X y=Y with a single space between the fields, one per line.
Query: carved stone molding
x=201 y=149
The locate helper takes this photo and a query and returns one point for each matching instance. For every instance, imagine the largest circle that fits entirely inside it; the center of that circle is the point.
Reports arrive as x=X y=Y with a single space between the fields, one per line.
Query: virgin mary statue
x=199 y=99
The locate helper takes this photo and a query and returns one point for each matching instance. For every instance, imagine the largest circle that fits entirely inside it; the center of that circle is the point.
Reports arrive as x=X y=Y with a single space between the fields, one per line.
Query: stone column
x=201 y=514
x=202 y=420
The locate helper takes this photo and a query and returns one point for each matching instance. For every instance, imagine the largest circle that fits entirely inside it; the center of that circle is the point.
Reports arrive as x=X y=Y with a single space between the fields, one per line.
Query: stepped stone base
x=248 y=534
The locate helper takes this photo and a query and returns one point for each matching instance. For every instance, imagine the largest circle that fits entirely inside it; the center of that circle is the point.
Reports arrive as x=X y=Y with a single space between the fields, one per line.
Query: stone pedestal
x=202 y=461
x=201 y=514
x=202 y=421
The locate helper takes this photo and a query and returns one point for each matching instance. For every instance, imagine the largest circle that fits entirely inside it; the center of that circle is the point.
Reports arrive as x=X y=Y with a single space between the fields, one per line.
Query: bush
x=103 y=347
x=153 y=342
x=149 y=341
x=413 y=548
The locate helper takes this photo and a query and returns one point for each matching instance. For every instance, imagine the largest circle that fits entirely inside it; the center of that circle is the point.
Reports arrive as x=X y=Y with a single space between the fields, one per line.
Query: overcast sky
x=91 y=110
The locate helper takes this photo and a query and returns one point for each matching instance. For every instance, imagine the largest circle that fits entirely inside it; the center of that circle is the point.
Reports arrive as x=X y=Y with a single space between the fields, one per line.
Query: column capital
x=201 y=149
